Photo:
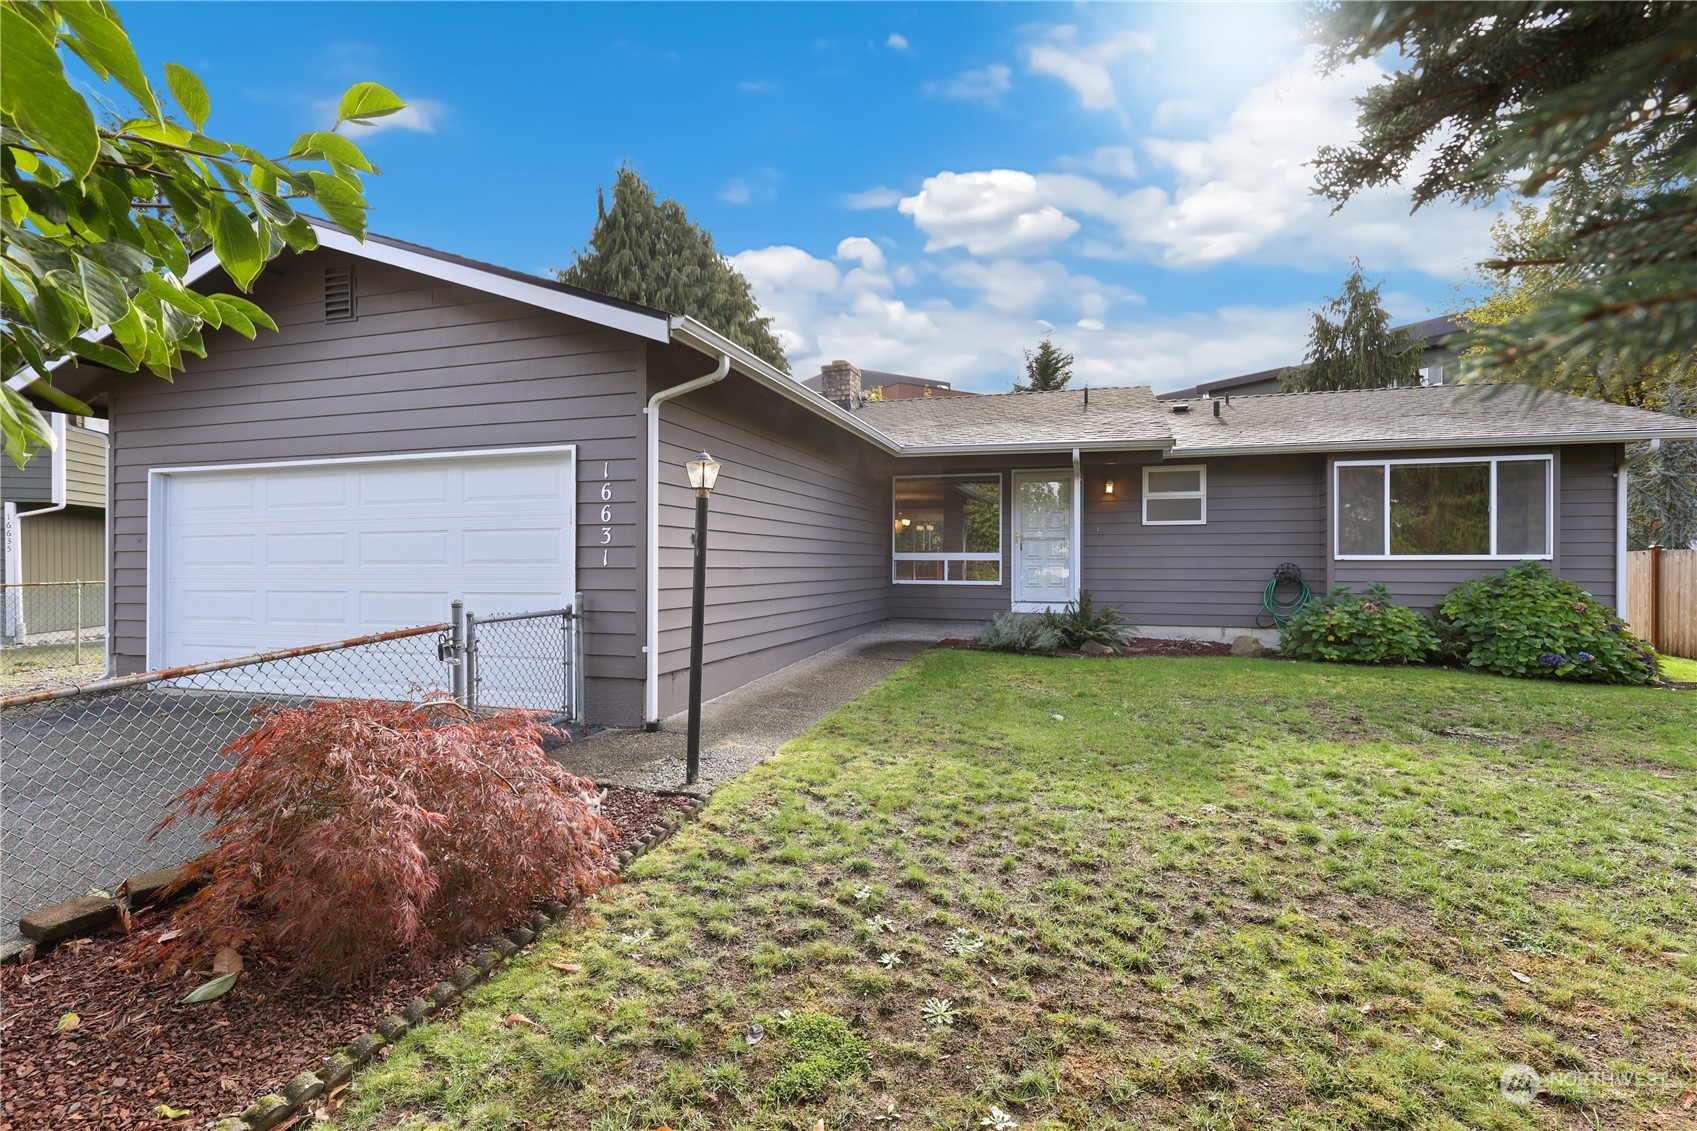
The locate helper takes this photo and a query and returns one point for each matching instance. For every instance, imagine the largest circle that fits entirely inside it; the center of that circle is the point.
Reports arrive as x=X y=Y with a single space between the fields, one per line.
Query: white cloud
x=869 y=255
x=1085 y=67
x=758 y=187
x=896 y=42
x=822 y=313
x=879 y=197
x=983 y=85
x=420 y=115
x=995 y=212
x=1119 y=161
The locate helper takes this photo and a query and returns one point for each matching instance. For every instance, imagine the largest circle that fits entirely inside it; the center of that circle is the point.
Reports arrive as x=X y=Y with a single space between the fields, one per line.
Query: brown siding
x=85 y=467
x=428 y=366
x=65 y=545
x=1262 y=511
x=1584 y=533
x=798 y=554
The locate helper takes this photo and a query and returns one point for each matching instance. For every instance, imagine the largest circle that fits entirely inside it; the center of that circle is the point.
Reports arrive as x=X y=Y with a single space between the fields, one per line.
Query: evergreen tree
x=1351 y=345
x=649 y=251
x=1047 y=370
x=1587 y=106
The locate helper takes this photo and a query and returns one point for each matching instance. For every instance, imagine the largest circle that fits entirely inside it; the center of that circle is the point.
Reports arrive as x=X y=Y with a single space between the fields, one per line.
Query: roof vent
x=1181 y=407
x=339 y=293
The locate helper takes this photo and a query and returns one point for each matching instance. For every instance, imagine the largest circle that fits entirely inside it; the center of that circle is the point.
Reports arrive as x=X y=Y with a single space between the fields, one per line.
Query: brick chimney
x=839 y=382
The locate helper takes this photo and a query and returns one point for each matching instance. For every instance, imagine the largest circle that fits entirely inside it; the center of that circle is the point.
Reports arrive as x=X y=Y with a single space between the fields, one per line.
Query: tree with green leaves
x=1046 y=371
x=1351 y=345
x=1662 y=479
x=1586 y=106
x=99 y=221
x=648 y=250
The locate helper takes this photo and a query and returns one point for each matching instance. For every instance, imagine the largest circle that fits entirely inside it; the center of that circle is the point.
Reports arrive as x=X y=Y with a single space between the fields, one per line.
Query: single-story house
x=424 y=427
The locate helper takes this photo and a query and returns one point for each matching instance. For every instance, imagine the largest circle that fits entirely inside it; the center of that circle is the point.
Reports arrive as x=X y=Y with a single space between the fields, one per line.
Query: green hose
x=1275 y=610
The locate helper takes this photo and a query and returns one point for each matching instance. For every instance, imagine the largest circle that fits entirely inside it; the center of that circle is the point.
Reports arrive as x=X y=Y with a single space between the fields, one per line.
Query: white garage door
x=253 y=558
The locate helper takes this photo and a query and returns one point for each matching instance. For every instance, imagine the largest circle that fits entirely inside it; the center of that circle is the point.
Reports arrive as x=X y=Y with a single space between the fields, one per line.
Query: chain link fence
x=89 y=770
x=48 y=629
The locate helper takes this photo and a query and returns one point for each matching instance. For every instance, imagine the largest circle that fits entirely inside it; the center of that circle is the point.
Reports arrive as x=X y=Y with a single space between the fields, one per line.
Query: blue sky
x=923 y=188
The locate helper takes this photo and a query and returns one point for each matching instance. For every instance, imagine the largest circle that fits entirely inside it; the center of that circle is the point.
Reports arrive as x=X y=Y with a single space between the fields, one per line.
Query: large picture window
x=948 y=529
x=1445 y=508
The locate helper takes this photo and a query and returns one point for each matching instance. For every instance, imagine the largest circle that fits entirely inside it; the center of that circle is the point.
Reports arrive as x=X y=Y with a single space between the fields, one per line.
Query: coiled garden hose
x=1276 y=609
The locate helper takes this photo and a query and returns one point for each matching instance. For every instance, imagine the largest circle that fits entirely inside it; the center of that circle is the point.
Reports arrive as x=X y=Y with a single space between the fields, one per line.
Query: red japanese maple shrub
x=349 y=830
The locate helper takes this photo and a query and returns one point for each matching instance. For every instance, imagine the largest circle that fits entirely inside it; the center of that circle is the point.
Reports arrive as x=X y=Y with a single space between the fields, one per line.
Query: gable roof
x=1118 y=417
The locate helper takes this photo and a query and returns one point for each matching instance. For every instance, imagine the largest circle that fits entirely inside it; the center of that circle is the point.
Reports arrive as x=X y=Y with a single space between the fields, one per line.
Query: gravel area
x=134 y=1048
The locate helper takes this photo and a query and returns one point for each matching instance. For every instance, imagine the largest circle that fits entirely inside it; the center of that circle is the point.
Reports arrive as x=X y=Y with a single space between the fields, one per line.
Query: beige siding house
x=423 y=428
x=55 y=535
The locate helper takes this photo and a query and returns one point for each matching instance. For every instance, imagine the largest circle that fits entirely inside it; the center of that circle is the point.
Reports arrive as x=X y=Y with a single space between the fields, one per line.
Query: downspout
x=58 y=489
x=651 y=684
x=1077 y=539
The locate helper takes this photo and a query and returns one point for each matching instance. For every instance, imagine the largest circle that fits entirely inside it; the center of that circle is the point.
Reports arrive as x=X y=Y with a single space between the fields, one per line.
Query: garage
x=246 y=558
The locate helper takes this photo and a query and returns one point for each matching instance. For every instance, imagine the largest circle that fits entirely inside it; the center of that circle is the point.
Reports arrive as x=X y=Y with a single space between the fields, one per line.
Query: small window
x=1175 y=496
x=948 y=530
x=1447 y=508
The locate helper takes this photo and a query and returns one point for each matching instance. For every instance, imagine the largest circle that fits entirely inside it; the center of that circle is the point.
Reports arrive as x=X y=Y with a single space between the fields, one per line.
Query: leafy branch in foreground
x=1587 y=106
x=99 y=221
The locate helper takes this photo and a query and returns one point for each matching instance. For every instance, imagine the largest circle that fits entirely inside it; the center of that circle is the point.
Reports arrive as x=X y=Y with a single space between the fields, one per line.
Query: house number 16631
x=606 y=509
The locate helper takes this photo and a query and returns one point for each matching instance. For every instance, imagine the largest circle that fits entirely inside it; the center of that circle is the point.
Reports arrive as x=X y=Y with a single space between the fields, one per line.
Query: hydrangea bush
x=1528 y=622
x=1358 y=628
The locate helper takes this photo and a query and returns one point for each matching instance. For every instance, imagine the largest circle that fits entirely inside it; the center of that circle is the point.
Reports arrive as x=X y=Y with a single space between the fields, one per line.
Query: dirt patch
x=134 y=1048
x=1138 y=646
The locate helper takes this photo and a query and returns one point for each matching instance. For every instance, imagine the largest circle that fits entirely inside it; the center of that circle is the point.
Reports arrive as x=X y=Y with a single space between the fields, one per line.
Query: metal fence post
x=566 y=662
x=469 y=662
x=456 y=637
x=79 y=623
x=578 y=708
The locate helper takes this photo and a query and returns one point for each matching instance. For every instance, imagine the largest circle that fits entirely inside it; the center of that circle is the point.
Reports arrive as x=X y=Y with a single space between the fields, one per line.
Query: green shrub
x=1358 y=628
x=1081 y=623
x=1029 y=634
x=1528 y=622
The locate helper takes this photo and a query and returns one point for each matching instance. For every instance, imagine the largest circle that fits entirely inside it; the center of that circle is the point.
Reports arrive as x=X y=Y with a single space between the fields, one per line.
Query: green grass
x=1681 y=671
x=1210 y=894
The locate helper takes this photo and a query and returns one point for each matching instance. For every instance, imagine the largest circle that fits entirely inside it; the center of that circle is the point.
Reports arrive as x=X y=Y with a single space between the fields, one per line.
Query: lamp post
x=703 y=474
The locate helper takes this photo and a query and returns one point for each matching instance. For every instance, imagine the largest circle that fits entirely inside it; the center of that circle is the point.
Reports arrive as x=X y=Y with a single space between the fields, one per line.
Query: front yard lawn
x=1137 y=893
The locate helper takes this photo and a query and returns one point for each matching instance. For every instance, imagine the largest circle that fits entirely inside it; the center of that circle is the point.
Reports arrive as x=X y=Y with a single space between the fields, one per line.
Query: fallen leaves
x=1519 y=977
x=228 y=960
x=568 y=967
x=512 y=1019
x=68 y=1021
x=1686 y=1099
x=216 y=988
x=170 y=1112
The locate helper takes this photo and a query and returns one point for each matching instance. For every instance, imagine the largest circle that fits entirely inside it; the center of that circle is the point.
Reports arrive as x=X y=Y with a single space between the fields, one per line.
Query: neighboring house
x=55 y=531
x=1438 y=366
x=877 y=384
x=424 y=428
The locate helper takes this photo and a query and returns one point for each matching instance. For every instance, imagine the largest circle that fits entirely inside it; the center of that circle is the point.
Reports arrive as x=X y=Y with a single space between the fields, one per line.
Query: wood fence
x=1661 y=590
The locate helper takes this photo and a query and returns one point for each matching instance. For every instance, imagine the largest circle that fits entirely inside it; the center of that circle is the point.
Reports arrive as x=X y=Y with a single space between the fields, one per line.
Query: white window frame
x=1549 y=510
x=1201 y=492
x=1001 y=540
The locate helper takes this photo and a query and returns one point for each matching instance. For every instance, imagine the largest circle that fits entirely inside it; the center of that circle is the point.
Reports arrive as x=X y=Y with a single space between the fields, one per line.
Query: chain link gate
x=90 y=769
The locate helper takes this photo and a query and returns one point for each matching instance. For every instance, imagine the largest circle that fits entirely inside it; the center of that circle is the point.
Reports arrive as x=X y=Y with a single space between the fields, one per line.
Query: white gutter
x=60 y=498
x=1186 y=451
x=651 y=683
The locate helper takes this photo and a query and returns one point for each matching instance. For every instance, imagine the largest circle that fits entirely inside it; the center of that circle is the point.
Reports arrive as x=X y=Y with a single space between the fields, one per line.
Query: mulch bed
x=134 y=1048
x=1138 y=646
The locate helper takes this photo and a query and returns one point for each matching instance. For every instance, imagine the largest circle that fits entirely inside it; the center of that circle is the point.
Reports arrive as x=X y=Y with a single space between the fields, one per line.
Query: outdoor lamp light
x=703 y=473
x=1109 y=487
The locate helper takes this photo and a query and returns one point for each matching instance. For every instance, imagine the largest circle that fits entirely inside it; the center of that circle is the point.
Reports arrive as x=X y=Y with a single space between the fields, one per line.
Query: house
x=425 y=427
x=879 y=385
x=1438 y=365
x=55 y=532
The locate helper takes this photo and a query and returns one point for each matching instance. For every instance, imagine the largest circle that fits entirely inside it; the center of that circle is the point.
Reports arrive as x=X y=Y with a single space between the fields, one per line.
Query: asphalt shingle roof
x=1425 y=416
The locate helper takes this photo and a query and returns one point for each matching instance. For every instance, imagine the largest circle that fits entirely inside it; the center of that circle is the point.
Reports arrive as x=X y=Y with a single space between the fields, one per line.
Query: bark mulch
x=1138 y=646
x=134 y=1048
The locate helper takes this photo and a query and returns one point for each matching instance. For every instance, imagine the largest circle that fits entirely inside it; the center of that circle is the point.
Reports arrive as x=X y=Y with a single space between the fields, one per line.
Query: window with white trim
x=1496 y=507
x=948 y=530
x=1175 y=496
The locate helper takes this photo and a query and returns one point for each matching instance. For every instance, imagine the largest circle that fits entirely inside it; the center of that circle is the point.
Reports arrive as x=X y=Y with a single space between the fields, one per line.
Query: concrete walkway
x=749 y=724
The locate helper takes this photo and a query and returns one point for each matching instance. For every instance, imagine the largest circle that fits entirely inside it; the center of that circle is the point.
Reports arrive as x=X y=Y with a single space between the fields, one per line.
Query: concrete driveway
x=749 y=724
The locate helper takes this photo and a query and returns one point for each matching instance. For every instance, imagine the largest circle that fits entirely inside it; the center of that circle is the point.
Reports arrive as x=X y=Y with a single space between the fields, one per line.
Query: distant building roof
x=1431 y=333
x=873 y=378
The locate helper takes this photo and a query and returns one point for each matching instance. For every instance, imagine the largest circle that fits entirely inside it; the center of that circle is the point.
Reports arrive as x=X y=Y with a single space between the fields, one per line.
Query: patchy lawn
x=1139 y=893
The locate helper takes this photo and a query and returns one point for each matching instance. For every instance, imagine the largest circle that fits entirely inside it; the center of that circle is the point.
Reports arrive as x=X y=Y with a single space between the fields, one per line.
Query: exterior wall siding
x=85 y=467
x=427 y=366
x=1261 y=511
x=31 y=484
x=1584 y=534
x=66 y=545
x=798 y=542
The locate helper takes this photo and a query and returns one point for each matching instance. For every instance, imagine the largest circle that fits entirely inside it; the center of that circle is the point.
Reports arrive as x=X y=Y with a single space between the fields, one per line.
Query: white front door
x=1042 y=541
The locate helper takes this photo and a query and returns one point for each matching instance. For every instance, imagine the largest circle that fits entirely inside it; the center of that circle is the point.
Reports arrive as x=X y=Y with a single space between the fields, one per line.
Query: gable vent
x=339 y=294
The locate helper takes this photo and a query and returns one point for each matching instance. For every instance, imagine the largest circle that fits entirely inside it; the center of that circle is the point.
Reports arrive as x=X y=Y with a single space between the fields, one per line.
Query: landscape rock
x=147 y=888
x=1247 y=645
x=73 y=917
x=17 y=949
x=1094 y=648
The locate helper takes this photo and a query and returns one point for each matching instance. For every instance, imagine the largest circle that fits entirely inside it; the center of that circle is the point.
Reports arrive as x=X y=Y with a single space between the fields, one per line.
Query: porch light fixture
x=1109 y=486
x=703 y=476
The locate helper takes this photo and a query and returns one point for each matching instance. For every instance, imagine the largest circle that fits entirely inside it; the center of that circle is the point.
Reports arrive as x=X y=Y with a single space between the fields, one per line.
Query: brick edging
x=276 y=1109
